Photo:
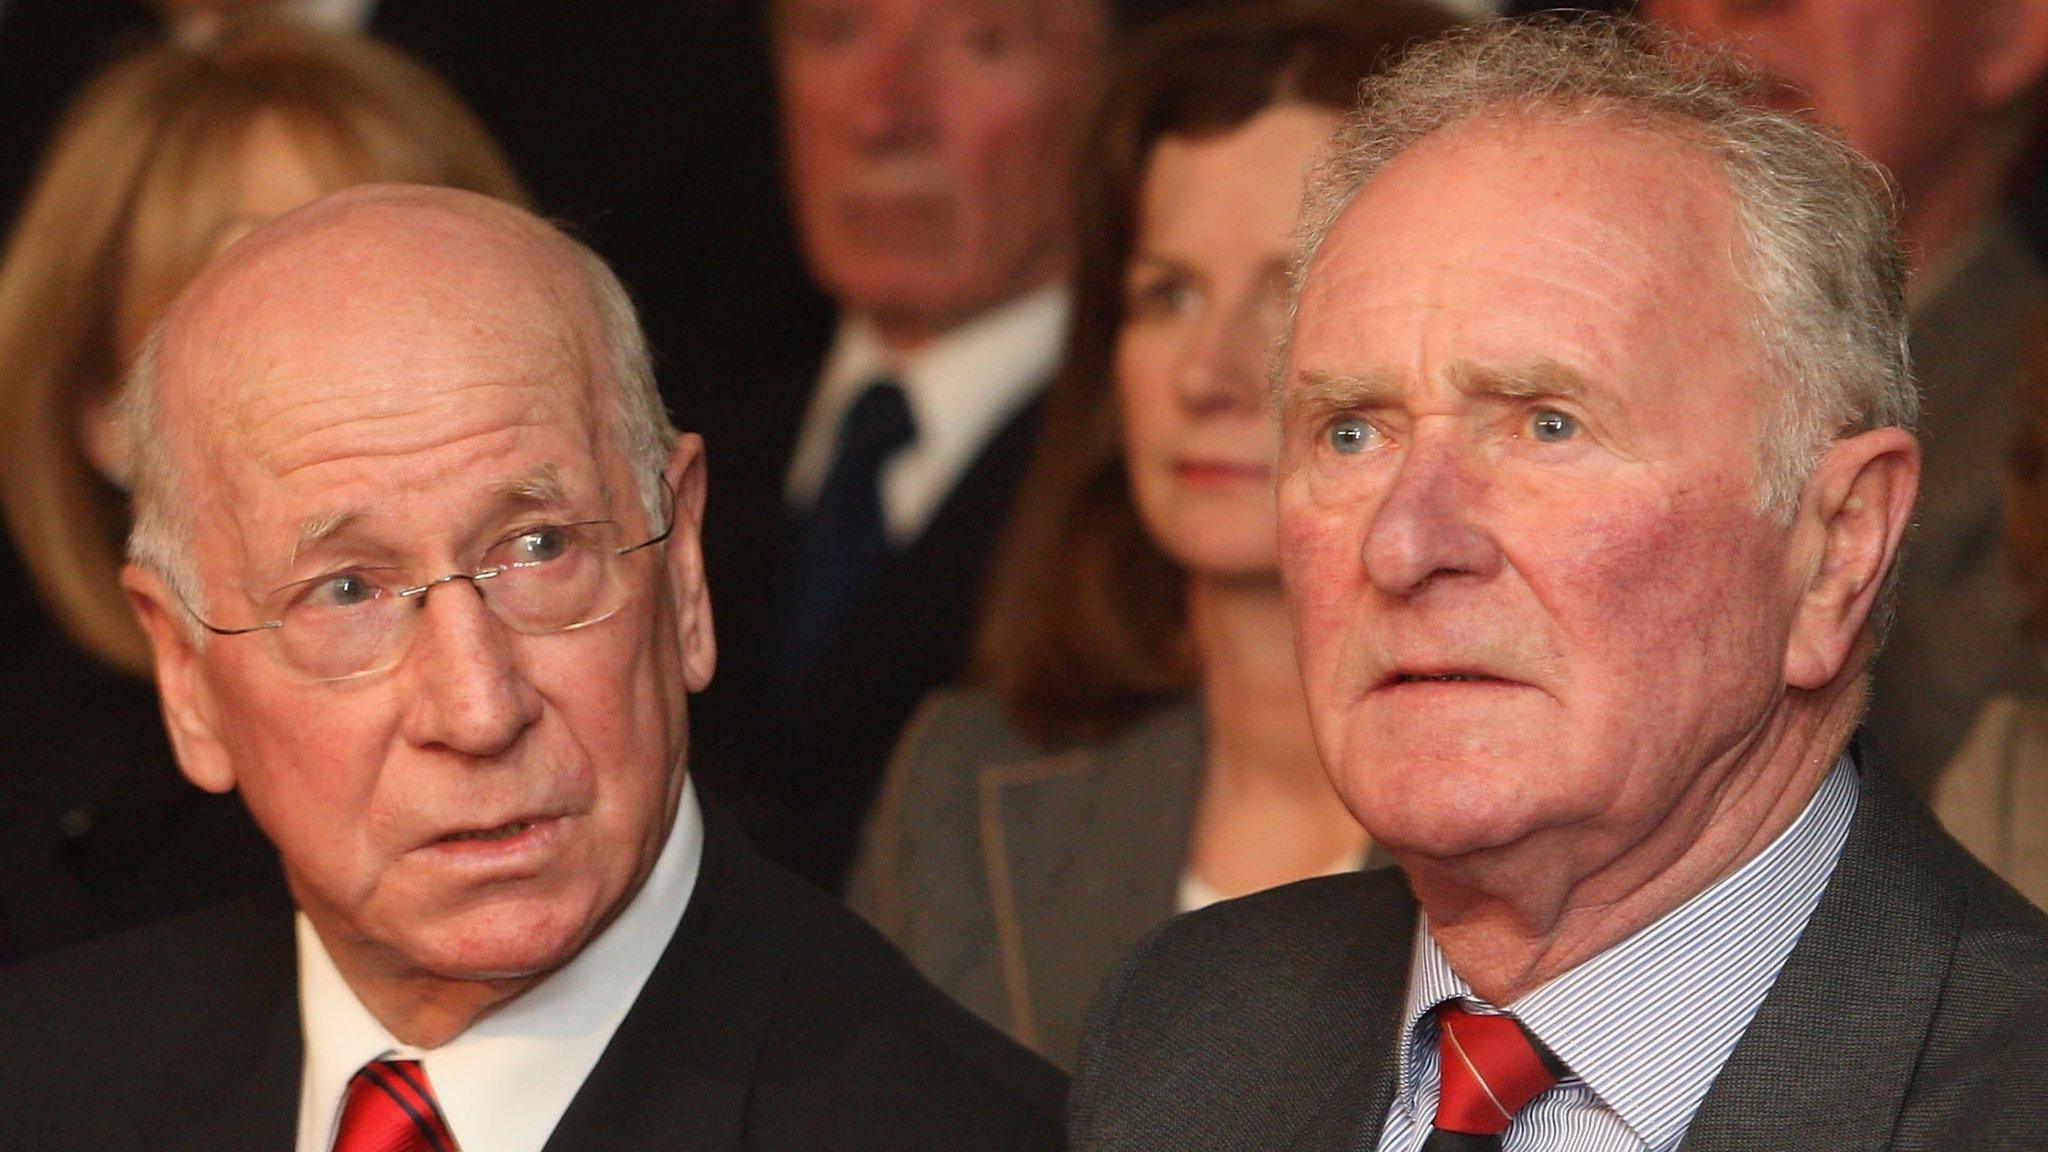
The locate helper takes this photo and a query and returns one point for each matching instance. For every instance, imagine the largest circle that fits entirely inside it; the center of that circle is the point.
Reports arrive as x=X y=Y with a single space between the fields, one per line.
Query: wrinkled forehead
x=1581 y=227
x=388 y=346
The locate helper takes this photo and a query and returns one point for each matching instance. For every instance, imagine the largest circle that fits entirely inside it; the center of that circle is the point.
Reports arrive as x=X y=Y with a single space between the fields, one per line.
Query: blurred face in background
x=929 y=145
x=275 y=172
x=1203 y=305
x=1895 y=77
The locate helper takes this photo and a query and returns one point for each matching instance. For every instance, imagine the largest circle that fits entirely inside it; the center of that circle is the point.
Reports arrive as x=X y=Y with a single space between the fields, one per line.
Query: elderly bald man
x=416 y=548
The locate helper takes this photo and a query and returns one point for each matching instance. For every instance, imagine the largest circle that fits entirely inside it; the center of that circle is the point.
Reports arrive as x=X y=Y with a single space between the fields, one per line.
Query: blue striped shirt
x=1646 y=1025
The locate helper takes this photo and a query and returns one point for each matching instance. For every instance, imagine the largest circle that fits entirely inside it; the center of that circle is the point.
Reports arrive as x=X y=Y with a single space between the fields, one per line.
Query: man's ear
x=187 y=702
x=1851 y=521
x=684 y=553
x=2012 y=51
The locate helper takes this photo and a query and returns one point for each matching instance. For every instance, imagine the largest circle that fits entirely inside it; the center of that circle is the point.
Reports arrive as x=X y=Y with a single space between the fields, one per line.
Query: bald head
x=320 y=326
x=362 y=413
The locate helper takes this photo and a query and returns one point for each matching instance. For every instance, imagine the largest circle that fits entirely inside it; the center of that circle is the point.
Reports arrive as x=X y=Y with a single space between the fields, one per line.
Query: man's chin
x=500 y=943
x=1444 y=812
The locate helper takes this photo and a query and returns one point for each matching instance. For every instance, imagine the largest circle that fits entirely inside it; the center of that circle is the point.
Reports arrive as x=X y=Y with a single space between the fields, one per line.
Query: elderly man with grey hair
x=416 y=549
x=1596 y=456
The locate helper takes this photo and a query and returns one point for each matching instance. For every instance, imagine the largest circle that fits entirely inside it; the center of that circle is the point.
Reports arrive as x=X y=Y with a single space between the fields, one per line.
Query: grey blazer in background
x=1913 y=1014
x=1018 y=880
x=1993 y=796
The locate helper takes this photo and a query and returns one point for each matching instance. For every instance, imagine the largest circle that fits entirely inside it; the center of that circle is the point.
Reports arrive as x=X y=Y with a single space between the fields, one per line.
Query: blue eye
x=539 y=545
x=339 y=590
x=1549 y=426
x=1349 y=437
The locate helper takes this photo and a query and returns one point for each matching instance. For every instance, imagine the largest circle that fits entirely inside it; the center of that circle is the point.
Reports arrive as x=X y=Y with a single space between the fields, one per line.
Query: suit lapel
x=234 y=1085
x=1346 y=1102
x=1831 y=1054
x=1082 y=854
x=679 y=1071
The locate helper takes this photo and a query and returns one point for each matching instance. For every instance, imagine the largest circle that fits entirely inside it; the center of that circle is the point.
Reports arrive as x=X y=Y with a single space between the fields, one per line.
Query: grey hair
x=1817 y=220
x=160 y=539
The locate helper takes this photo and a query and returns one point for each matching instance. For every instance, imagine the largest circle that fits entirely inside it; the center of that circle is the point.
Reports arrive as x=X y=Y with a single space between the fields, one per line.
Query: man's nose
x=1427 y=528
x=471 y=692
x=894 y=98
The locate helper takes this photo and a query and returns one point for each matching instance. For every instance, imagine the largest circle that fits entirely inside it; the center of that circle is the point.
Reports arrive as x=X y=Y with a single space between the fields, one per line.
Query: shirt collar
x=505 y=1082
x=338 y=15
x=1646 y=1043
x=961 y=387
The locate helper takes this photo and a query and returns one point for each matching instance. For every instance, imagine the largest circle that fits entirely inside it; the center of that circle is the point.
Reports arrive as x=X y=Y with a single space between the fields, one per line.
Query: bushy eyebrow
x=541 y=488
x=1316 y=390
x=1537 y=379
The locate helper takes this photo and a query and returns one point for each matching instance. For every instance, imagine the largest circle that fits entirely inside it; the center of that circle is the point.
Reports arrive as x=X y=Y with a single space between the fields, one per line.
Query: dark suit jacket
x=803 y=769
x=774 y=1020
x=1913 y=1014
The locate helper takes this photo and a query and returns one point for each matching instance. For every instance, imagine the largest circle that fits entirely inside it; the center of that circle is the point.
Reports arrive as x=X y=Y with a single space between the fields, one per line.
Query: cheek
x=1321 y=568
x=1143 y=406
x=1676 y=594
x=1009 y=151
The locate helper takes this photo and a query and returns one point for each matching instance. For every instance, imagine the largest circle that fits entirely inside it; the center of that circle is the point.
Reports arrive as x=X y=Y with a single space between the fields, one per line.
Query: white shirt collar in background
x=504 y=1084
x=962 y=388
x=338 y=15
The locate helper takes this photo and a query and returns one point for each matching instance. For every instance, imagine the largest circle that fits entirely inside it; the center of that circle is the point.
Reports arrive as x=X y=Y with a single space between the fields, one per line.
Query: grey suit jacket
x=1017 y=880
x=1913 y=1014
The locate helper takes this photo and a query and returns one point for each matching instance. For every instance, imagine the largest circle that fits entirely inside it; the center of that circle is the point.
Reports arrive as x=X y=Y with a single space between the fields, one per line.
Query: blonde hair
x=144 y=171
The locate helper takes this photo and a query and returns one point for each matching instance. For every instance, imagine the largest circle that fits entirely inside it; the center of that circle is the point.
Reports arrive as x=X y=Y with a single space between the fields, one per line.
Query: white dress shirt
x=503 y=1084
x=339 y=15
x=1646 y=1025
x=962 y=388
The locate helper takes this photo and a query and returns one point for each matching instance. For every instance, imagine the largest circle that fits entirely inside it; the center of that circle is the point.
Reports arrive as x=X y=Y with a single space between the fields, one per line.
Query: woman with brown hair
x=162 y=160
x=1138 y=743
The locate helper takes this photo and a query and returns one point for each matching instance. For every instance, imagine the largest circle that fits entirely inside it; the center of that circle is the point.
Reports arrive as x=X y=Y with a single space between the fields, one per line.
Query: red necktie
x=390 y=1108
x=1488 y=1069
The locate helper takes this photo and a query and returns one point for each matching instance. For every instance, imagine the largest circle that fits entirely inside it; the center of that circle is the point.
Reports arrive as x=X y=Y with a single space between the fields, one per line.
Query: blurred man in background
x=928 y=145
x=1944 y=95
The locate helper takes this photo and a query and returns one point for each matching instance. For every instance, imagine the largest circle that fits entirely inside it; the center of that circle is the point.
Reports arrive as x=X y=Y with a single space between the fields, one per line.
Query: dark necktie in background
x=843 y=539
x=1488 y=1069
x=391 y=1108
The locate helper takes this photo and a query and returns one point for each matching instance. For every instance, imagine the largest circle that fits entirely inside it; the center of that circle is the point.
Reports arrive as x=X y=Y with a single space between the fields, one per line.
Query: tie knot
x=391 y=1108
x=1489 y=1068
x=878 y=424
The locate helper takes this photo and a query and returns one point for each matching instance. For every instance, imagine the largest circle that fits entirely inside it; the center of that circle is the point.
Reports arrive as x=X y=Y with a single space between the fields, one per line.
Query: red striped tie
x=391 y=1108
x=1488 y=1069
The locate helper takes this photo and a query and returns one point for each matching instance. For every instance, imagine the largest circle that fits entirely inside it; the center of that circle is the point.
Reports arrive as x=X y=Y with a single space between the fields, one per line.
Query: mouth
x=501 y=832
x=899 y=218
x=1451 y=676
x=494 y=841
